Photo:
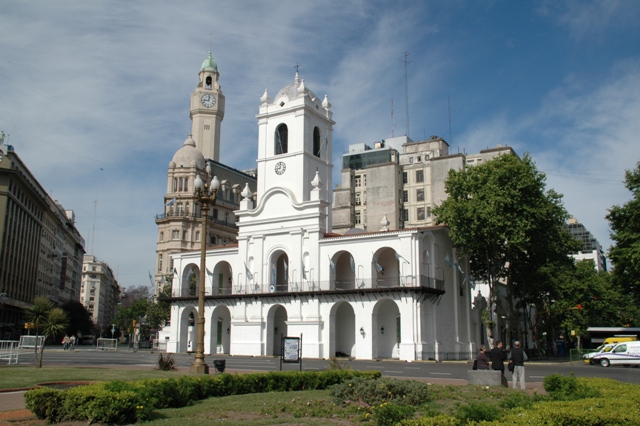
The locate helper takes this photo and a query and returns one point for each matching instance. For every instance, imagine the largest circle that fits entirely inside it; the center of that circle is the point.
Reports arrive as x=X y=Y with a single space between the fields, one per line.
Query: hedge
x=121 y=402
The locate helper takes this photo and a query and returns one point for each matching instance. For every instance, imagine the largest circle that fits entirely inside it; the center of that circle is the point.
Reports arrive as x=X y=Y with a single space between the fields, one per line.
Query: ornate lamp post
x=205 y=195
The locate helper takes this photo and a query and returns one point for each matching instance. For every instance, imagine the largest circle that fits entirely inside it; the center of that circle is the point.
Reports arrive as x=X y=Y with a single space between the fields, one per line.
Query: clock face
x=208 y=100
x=280 y=167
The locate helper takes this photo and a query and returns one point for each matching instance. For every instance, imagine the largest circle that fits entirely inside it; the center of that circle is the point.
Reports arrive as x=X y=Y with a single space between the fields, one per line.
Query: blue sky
x=95 y=95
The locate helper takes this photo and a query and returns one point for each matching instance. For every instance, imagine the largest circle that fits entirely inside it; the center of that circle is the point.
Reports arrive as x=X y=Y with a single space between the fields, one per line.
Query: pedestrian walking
x=65 y=342
x=519 y=356
x=72 y=342
x=498 y=355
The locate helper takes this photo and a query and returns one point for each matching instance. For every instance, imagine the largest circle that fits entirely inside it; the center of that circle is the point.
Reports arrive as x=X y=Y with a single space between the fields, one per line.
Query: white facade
x=388 y=294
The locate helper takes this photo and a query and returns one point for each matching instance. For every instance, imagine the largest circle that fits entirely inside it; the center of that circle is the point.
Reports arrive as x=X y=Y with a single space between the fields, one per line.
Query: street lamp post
x=205 y=195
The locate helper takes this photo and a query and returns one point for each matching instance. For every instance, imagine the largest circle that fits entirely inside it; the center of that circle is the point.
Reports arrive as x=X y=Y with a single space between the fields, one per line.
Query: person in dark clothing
x=498 y=355
x=519 y=356
x=483 y=359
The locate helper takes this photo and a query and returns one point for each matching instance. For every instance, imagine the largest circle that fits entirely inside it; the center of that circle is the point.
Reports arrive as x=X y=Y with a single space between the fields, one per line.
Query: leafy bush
x=388 y=414
x=519 y=400
x=568 y=388
x=441 y=420
x=477 y=412
x=45 y=403
x=166 y=362
x=376 y=392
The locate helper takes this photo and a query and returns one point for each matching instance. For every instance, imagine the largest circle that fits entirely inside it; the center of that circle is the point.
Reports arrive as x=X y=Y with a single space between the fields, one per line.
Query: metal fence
x=9 y=350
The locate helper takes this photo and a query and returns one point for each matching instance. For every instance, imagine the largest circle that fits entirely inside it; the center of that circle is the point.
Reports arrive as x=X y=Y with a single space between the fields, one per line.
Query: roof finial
x=297 y=67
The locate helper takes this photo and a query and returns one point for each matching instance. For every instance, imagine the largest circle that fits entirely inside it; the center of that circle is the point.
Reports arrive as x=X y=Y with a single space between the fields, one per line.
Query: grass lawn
x=12 y=377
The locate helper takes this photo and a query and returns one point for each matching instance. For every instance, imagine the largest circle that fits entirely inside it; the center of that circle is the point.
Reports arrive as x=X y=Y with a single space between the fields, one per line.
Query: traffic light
x=579 y=306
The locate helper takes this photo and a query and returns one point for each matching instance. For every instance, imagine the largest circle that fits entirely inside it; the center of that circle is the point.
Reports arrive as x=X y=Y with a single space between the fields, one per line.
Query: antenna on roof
x=393 y=123
x=450 y=137
x=406 y=88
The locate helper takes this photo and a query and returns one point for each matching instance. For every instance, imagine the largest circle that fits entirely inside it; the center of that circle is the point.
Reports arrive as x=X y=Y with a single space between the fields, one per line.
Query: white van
x=625 y=353
x=588 y=357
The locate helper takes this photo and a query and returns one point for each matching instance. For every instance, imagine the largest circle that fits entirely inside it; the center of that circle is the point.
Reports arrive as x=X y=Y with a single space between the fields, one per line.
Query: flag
x=353 y=265
x=448 y=261
x=378 y=266
x=151 y=280
x=210 y=273
x=172 y=202
x=458 y=266
x=175 y=271
x=304 y=273
x=333 y=267
x=273 y=274
x=248 y=272
x=398 y=257
x=286 y=268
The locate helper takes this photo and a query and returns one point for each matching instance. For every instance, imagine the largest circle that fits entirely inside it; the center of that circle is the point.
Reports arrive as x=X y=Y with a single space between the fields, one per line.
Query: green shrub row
x=121 y=402
x=570 y=401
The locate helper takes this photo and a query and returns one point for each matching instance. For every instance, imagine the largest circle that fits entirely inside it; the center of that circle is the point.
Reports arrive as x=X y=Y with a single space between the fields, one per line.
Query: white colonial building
x=388 y=294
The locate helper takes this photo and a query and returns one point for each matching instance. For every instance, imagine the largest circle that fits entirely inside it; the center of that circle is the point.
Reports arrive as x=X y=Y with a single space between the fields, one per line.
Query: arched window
x=208 y=82
x=316 y=142
x=282 y=139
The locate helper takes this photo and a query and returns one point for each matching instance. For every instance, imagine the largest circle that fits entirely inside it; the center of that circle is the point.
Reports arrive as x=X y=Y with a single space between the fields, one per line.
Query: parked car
x=626 y=353
x=588 y=358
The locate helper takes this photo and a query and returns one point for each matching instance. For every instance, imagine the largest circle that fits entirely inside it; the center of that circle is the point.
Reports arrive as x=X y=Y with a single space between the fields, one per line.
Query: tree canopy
x=512 y=229
x=80 y=320
x=625 y=232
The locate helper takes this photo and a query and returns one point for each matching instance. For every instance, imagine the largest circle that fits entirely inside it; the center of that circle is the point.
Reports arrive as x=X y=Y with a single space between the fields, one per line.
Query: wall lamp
x=275 y=330
x=362 y=331
x=382 y=330
x=228 y=330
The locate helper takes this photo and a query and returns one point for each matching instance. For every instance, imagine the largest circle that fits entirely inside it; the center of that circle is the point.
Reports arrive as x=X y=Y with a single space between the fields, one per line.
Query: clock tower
x=207 y=110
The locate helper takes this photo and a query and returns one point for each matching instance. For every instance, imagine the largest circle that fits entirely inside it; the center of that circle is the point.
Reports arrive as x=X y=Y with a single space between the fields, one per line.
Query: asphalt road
x=535 y=371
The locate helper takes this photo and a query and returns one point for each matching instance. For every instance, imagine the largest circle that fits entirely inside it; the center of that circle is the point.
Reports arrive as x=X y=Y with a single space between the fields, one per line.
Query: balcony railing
x=409 y=281
x=192 y=215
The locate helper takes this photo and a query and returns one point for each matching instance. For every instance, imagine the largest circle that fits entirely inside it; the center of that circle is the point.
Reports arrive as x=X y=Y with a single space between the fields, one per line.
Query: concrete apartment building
x=100 y=292
x=40 y=248
x=180 y=223
x=397 y=183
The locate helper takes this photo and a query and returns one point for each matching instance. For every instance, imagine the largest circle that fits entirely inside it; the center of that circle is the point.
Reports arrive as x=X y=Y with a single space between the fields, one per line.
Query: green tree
x=80 y=320
x=158 y=313
x=49 y=320
x=586 y=297
x=512 y=229
x=133 y=307
x=625 y=233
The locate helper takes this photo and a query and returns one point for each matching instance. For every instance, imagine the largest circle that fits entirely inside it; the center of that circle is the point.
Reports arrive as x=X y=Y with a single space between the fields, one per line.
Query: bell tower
x=294 y=146
x=207 y=110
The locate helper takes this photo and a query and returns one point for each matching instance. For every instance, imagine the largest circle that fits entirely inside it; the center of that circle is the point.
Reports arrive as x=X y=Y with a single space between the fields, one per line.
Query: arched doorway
x=385 y=268
x=276 y=329
x=190 y=280
x=220 y=326
x=187 y=330
x=221 y=281
x=386 y=329
x=279 y=280
x=343 y=330
x=345 y=271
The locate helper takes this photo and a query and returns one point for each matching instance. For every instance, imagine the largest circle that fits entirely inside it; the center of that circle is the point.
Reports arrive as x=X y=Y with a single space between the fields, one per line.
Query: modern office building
x=179 y=223
x=100 y=292
x=40 y=248
x=591 y=248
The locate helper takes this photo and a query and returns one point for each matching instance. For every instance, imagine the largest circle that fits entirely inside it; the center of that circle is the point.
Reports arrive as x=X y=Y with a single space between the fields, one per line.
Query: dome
x=295 y=89
x=209 y=64
x=188 y=156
